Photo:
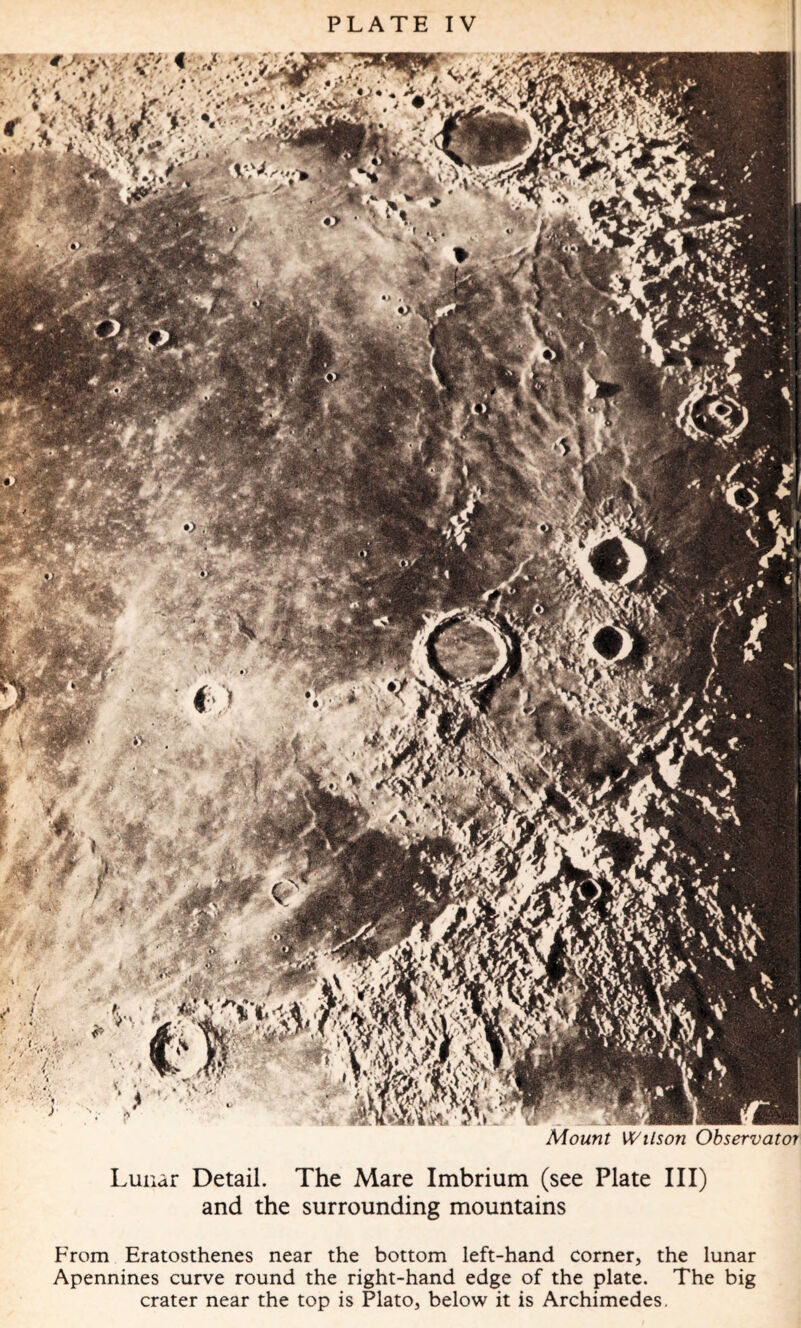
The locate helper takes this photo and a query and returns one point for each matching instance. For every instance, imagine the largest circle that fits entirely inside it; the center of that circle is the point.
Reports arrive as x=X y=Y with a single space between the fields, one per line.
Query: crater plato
x=485 y=138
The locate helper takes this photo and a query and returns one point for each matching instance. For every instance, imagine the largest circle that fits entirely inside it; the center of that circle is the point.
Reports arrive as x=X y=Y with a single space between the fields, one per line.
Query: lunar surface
x=397 y=644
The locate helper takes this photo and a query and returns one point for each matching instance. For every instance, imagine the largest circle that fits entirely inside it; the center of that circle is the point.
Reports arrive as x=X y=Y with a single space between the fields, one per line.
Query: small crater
x=8 y=695
x=615 y=560
x=284 y=891
x=106 y=328
x=210 y=699
x=9 y=482
x=718 y=416
x=158 y=337
x=418 y=102
x=740 y=497
x=611 y=644
x=330 y=377
x=188 y=527
x=485 y=138
x=588 y=890
x=329 y=221
x=459 y=254
x=712 y=415
x=180 y=1049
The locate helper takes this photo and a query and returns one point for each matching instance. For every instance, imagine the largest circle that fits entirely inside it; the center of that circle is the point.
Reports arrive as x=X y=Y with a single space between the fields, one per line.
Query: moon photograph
x=396 y=671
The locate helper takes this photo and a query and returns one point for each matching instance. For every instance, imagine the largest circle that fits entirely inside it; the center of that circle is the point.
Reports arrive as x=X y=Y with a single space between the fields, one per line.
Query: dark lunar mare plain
x=397 y=631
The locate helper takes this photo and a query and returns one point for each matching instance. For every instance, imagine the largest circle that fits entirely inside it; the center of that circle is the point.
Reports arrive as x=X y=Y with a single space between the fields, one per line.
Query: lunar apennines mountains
x=397 y=647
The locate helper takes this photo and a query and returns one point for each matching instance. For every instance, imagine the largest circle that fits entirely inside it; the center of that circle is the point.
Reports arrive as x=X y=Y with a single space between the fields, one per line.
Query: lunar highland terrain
x=397 y=681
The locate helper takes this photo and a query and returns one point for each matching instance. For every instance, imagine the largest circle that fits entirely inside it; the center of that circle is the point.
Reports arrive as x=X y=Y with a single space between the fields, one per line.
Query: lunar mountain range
x=397 y=672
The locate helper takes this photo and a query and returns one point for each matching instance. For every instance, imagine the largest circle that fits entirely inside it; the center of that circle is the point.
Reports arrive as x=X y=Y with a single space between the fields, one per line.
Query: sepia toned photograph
x=397 y=670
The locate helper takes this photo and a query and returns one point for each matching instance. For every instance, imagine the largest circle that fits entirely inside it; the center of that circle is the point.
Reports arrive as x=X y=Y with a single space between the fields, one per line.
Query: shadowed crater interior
x=180 y=1048
x=609 y=560
x=717 y=416
x=611 y=643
